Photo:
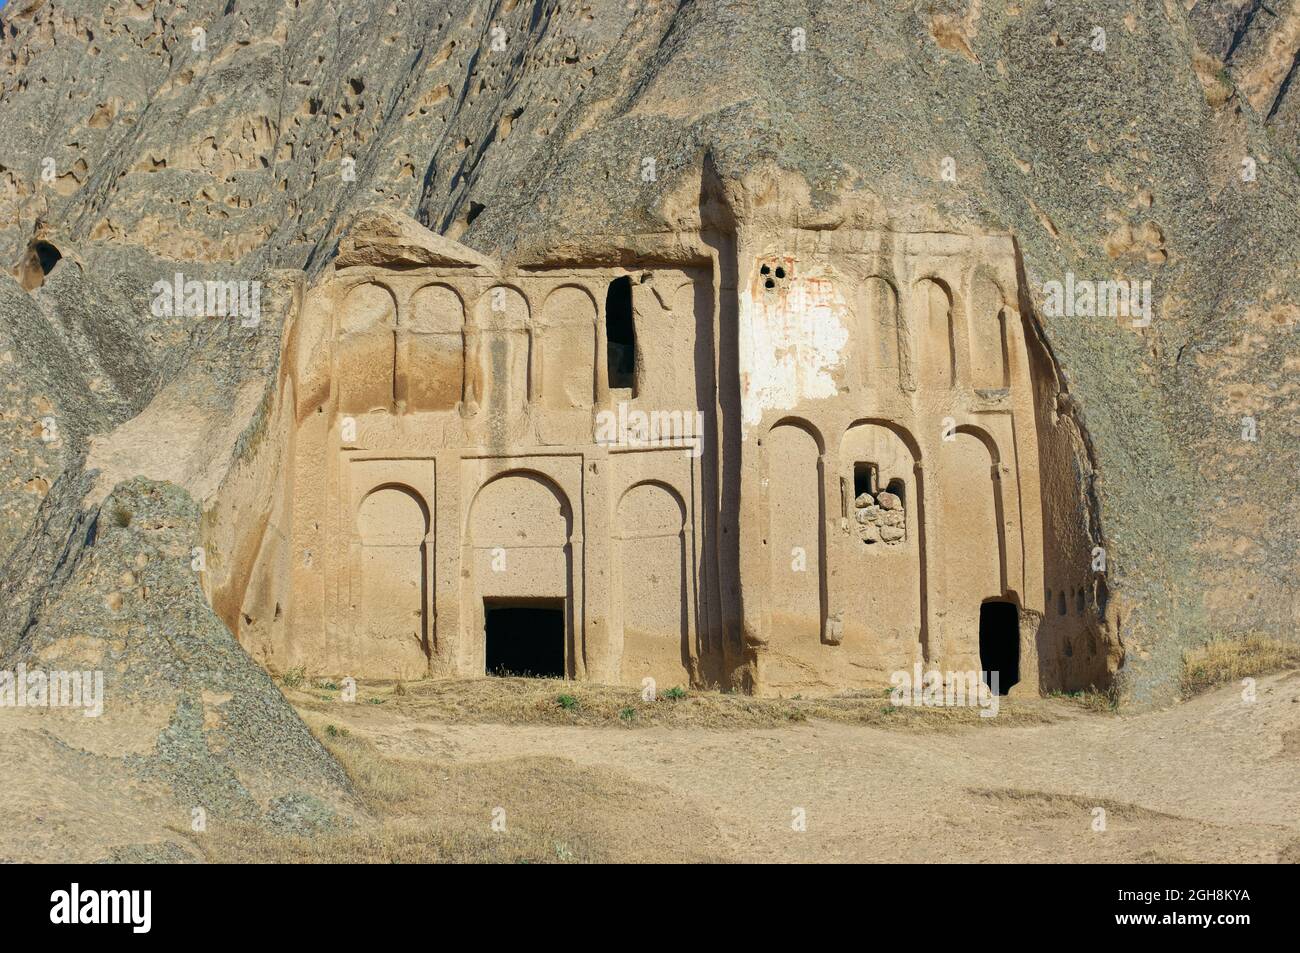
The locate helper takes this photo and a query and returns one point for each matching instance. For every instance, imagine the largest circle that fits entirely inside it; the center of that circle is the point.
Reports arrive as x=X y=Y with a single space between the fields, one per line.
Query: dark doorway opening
x=620 y=334
x=525 y=637
x=864 y=479
x=1000 y=643
x=899 y=489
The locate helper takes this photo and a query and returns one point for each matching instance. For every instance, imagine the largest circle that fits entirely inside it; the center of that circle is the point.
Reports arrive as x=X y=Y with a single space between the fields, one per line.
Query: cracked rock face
x=225 y=141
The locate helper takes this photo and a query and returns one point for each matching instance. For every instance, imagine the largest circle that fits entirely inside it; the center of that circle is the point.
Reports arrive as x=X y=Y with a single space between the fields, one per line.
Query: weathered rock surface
x=104 y=579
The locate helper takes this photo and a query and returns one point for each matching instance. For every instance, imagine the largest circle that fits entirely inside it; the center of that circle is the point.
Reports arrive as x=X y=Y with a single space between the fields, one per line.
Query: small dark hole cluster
x=771 y=276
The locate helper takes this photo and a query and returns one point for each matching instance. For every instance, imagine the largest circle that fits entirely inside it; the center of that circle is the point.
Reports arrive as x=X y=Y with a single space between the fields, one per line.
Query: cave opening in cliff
x=620 y=334
x=47 y=256
x=1000 y=644
x=36 y=264
x=524 y=637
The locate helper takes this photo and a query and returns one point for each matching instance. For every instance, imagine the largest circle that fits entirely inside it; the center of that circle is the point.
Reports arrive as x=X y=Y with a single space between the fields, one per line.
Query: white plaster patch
x=791 y=339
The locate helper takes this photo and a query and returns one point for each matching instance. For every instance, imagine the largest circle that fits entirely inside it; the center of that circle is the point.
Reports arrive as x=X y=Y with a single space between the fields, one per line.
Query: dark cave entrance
x=524 y=637
x=1000 y=643
x=47 y=256
x=620 y=334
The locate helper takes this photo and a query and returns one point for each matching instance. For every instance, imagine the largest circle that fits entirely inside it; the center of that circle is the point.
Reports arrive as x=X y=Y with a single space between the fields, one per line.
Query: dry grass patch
x=1214 y=78
x=1229 y=660
x=1046 y=804
x=585 y=704
x=553 y=811
x=1093 y=699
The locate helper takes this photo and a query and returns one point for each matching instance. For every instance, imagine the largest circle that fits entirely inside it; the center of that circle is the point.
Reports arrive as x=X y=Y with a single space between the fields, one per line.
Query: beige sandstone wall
x=442 y=438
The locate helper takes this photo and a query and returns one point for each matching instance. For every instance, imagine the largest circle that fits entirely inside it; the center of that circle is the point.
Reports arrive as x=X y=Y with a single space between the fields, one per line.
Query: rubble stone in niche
x=880 y=519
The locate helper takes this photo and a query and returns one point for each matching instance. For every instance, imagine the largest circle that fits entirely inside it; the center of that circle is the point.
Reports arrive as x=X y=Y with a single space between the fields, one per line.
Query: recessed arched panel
x=364 y=351
x=970 y=519
x=653 y=567
x=390 y=610
x=880 y=474
x=650 y=509
x=502 y=306
x=518 y=536
x=971 y=545
x=885 y=592
x=886 y=366
x=436 y=309
x=569 y=304
x=795 y=533
x=518 y=509
x=367 y=306
x=434 y=359
x=568 y=348
x=392 y=516
x=932 y=305
x=988 y=347
x=501 y=381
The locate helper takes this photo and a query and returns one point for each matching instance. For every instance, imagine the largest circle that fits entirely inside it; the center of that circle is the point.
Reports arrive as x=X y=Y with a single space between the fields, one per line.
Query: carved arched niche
x=889 y=363
x=796 y=534
x=431 y=350
x=653 y=570
x=517 y=547
x=390 y=599
x=988 y=336
x=499 y=358
x=567 y=345
x=932 y=305
x=884 y=598
x=364 y=349
x=972 y=548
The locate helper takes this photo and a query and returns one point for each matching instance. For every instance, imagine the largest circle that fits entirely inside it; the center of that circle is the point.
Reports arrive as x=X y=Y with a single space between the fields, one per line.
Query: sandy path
x=1212 y=779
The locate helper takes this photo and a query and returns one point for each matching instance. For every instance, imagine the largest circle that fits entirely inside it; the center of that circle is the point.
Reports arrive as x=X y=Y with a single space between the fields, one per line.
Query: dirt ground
x=518 y=770
x=1212 y=779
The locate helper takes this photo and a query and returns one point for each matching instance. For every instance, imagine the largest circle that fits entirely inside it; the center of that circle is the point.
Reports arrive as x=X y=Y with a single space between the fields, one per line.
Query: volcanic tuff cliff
x=229 y=139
